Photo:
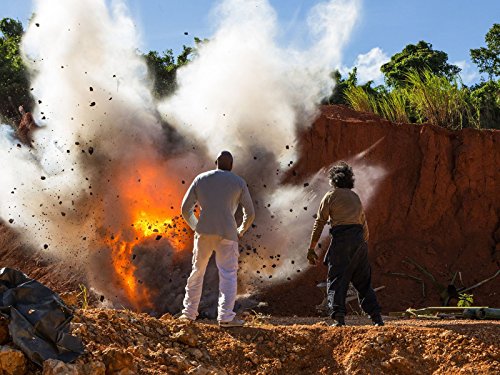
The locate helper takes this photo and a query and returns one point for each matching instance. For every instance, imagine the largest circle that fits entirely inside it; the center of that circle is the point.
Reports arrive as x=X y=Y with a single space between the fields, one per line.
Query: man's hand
x=312 y=257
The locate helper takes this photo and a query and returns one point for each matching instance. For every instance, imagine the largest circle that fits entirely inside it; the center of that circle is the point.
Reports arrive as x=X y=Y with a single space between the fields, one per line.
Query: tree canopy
x=417 y=69
x=341 y=84
x=163 y=68
x=14 y=79
x=418 y=57
x=488 y=58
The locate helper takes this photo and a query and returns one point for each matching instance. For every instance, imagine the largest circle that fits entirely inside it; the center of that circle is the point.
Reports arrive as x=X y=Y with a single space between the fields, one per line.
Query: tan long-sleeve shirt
x=341 y=207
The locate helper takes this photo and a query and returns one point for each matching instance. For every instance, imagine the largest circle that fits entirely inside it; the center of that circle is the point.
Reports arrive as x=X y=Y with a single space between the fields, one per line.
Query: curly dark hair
x=342 y=176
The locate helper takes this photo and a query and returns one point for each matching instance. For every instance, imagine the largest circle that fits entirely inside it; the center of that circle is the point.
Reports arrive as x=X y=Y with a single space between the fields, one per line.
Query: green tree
x=418 y=57
x=488 y=58
x=14 y=78
x=341 y=85
x=163 y=68
x=485 y=98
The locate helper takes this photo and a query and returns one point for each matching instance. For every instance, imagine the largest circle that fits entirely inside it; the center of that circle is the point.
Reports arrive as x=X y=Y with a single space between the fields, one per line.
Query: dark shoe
x=377 y=320
x=338 y=321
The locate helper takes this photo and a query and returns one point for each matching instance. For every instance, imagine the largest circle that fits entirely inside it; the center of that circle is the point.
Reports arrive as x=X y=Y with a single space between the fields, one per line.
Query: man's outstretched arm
x=321 y=219
x=187 y=207
x=248 y=211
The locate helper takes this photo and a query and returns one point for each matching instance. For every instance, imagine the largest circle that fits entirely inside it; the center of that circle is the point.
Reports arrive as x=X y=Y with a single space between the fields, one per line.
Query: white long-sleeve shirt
x=218 y=193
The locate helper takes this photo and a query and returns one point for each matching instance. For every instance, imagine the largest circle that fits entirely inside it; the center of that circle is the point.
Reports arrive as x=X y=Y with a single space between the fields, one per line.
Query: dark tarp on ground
x=39 y=320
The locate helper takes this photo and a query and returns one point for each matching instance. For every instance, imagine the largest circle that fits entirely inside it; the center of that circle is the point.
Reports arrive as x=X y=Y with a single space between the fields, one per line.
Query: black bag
x=39 y=319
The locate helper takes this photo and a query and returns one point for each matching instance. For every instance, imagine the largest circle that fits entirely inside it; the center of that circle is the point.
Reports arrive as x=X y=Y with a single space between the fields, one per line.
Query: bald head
x=224 y=161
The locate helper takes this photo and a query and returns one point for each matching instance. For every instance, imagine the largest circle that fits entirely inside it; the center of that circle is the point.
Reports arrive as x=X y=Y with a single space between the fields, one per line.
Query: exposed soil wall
x=439 y=205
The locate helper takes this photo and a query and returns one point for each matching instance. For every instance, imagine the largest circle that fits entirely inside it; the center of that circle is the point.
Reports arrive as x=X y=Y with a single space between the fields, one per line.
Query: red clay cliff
x=438 y=205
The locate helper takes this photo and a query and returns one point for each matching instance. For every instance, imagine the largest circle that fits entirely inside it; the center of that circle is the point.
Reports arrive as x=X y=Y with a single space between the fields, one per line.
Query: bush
x=485 y=98
x=439 y=101
x=359 y=99
x=433 y=99
x=394 y=106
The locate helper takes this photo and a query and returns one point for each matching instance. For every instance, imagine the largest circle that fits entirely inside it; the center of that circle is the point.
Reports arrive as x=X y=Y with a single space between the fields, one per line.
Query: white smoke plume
x=99 y=134
x=244 y=90
x=92 y=100
x=247 y=93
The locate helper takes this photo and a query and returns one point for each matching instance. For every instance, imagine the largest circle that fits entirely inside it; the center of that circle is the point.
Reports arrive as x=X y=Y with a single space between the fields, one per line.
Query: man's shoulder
x=204 y=175
x=340 y=193
x=240 y=179
x=347 y=194
x=329 y=194
x=221 y=174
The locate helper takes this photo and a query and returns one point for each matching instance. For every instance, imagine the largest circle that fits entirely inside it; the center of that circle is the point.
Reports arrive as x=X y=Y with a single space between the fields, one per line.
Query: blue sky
x=384 y=28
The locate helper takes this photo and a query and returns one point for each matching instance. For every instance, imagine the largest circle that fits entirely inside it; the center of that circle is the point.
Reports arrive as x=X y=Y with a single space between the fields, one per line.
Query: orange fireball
x=151 y=201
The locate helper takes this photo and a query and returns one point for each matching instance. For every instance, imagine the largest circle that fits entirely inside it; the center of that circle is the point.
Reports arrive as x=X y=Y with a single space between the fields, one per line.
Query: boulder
x=118 y=362
x=93 y=368
x=12 y=361
x=4 y=331
x=186 y=337
x=55 y=367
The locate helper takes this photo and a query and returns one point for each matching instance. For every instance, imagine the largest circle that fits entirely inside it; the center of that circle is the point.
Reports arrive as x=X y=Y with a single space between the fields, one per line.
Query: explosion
x=115 y=163
x=146 y=198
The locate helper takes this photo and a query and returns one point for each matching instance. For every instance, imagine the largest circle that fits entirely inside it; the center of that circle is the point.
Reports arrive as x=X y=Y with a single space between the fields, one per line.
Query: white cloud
x=469 y=73
x=368 y=65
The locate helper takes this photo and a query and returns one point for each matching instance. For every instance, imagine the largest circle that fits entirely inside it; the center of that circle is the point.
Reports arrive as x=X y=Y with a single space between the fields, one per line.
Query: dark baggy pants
x=347 y=261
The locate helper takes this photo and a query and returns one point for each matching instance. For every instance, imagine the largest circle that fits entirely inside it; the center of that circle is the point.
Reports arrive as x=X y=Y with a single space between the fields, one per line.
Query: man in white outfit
x=218 y=193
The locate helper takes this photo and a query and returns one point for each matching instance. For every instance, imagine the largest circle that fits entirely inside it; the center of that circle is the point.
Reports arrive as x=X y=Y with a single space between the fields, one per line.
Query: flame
x=149 y=200
x=149 y=226
x=125 y=270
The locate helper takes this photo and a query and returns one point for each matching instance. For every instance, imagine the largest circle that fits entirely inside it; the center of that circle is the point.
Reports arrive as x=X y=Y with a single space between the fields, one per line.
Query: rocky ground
x=124 y=342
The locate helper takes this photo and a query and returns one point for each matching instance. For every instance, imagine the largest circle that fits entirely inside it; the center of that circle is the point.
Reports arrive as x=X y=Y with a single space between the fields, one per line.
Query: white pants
x=226 y=257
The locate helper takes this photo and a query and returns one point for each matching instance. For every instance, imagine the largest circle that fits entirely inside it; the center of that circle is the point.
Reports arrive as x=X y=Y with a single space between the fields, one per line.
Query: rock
x=186 y=337
x=380 y=339
x=195 y=352
x=180 y=362
x=70 y=298
x=78 y=329
x=94 y=368
x=118 y=362
x=4 y=331
x=55 y=367
x=252 y=357
x=125 y=371
x=200 y=370
x=166 y=317
x=12 y=361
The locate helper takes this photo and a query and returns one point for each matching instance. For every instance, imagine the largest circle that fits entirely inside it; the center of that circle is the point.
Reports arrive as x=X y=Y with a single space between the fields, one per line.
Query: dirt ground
x=290 y=345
